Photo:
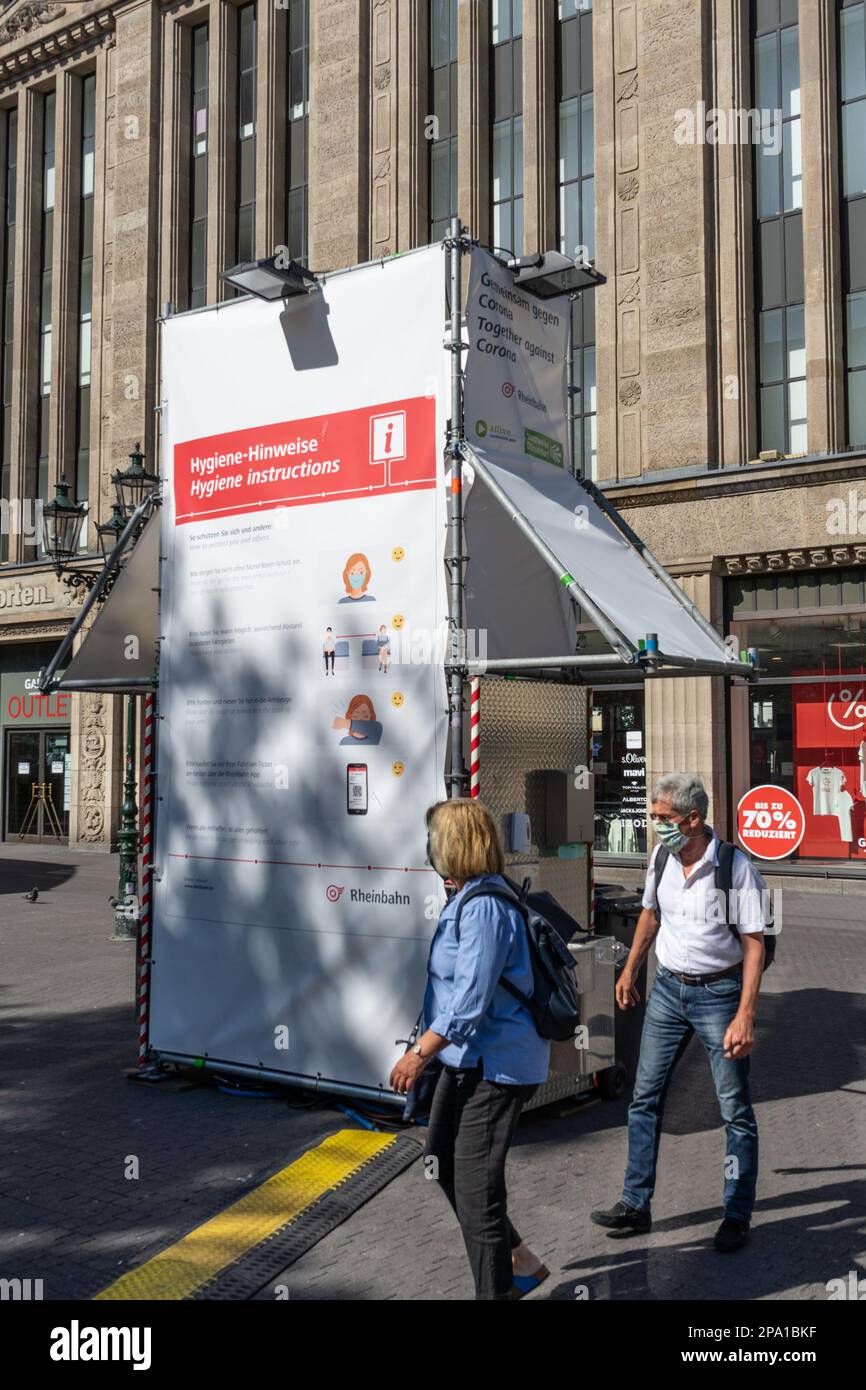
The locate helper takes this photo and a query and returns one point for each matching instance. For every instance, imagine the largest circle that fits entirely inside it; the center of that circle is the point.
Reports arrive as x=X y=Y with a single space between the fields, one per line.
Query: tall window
x=46 y=276
x=779 y=227
x=443 y=106
x=575 y=173
x=852 y=60
x=506 y=104
x=9 y=183
x=297 y=113
x=85 y=293
x=198 y=170
x=246 y=215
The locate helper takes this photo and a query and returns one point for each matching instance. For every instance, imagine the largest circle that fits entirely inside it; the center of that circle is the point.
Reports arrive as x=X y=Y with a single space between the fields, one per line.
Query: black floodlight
x=550 y=274
x=271 y=279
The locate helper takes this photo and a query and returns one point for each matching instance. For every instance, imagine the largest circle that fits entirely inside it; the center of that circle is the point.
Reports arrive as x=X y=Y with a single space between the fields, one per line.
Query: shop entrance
x=37 y=785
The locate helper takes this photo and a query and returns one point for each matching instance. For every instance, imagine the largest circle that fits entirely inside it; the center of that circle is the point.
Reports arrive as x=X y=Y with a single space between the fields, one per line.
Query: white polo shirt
x=694 y=937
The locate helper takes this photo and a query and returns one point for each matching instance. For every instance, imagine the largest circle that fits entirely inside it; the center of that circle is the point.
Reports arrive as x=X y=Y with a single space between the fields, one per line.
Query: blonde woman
x=493 y=1058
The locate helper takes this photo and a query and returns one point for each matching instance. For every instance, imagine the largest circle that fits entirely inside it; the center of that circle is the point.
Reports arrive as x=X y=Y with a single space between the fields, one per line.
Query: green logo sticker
x=481 y=428
x=541 y=446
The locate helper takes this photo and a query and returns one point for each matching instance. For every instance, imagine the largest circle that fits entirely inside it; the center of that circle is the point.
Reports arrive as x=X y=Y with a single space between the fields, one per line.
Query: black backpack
x=554 y=1002
x=724 y=878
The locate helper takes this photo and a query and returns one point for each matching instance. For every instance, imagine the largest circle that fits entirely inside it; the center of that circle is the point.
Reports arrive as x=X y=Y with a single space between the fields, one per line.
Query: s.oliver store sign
x=22 y=704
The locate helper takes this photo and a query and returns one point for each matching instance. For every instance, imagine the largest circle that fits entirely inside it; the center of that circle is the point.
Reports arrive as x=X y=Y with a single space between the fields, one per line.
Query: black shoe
x=622 y=1218
x=731 y=1235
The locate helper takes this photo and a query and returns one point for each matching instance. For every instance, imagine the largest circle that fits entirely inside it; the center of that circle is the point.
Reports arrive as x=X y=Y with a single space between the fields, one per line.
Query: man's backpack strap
x=661 y=859
x=725 y=878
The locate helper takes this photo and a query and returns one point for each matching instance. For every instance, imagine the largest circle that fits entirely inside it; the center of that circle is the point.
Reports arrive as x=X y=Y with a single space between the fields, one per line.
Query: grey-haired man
x=706 y=982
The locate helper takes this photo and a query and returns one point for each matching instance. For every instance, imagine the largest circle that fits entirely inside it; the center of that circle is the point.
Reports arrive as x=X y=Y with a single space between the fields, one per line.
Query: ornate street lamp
x=62 y=521
x=108 y=533
x=134 y=483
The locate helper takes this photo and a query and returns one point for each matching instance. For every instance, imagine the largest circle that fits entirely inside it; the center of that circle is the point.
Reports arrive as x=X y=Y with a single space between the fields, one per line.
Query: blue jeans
x=674 y=1012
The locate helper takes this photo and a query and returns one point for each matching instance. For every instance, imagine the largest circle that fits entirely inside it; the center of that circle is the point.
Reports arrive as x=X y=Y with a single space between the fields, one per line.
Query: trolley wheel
x=612 y=1081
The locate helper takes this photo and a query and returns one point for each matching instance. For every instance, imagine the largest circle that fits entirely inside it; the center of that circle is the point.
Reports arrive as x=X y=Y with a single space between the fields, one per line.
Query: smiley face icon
x=398 y=699
x=398 y=769
x=398 y=554
x=397 y=621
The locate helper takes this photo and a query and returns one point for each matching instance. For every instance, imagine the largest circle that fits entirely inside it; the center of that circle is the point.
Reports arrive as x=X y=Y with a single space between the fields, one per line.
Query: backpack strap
x=725 y=878
x=507 y=896
x=662 y=857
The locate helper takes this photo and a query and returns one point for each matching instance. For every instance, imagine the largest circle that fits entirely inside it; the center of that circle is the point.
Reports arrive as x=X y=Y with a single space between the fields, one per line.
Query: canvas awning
x=539 y=541
x=118 y=655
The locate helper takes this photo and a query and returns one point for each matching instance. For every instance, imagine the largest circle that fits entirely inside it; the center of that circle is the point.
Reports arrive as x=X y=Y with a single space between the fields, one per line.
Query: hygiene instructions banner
x=515 y=390
x=302 y=692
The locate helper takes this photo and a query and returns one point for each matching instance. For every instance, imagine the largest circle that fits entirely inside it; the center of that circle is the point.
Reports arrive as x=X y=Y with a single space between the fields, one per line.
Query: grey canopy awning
x=119 y=653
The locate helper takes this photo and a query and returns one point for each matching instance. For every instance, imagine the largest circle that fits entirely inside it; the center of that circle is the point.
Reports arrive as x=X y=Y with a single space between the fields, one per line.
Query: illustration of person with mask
x=359 y=721
x=356 y=578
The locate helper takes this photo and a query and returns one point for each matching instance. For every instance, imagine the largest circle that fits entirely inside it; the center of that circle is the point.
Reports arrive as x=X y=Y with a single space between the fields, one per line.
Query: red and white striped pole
x=474 y=736
x=144 y=918
x=592 y=844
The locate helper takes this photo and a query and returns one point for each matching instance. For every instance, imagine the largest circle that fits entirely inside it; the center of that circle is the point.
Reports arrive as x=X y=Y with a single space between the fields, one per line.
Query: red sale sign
x=770 y=822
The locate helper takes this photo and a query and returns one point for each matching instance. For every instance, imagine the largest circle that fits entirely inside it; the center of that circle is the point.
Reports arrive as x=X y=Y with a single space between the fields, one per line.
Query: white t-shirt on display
x=826 y=784
x=844 y=803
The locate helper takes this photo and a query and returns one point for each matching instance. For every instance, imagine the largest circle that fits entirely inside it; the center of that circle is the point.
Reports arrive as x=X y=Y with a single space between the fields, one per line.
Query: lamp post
x=130 y=484
x=62 y=520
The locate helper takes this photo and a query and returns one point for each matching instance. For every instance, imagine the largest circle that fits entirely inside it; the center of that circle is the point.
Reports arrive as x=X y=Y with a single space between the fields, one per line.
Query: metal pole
x=458 y=781
x=127 y=836
x=569 y=387
x=144 y=917
x=596 y=661
x=611 y=634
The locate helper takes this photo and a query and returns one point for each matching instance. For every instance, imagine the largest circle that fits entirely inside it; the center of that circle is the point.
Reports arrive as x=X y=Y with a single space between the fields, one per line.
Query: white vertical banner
x=301 y=682
x=514 y=400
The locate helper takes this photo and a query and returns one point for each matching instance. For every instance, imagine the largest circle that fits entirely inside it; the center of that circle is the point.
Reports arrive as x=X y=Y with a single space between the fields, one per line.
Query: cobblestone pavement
x=71 y=1120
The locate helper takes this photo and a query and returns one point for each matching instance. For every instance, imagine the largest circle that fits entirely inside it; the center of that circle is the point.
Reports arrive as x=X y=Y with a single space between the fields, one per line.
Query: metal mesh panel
x=527 y=728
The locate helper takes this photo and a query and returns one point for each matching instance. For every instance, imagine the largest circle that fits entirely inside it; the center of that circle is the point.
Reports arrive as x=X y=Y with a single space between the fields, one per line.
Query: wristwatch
x=418 y=1053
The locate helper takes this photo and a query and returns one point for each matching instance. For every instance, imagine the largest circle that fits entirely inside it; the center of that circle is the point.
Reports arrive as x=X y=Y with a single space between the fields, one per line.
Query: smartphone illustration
x=356 y=789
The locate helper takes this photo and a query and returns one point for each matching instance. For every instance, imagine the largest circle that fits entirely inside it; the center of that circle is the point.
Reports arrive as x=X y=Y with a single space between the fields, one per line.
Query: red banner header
x=327 y=458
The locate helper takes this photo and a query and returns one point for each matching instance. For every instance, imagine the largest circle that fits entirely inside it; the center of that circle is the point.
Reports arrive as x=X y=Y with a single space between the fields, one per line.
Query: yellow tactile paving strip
x=182 y=1268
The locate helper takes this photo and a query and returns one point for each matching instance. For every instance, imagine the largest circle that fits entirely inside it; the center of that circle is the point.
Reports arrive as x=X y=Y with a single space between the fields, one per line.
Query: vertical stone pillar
x=384 y=109
x=822 y=252
x=221 y=144
x=735 y=293
x=26 y=309
x=660 y=386
x=413 y=149
x=685 y=717
x=101 y=376
x=66 y=280
x=473 y=114
x=338 y=133
x=136 y=188
x=271 y=129
x=96 y=747
x=539 y=125
x=176 y=159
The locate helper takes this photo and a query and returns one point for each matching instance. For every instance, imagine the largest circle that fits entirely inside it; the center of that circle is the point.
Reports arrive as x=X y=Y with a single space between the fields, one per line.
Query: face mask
x=357 y=580
x=670 y=835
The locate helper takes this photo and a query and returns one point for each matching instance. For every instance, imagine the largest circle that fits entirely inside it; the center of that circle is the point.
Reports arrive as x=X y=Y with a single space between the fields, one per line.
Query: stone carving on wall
x=384 y=101
x=803 y=559
x=630 y=392
x=628 y=190
x=92 y=764
x=29 y=17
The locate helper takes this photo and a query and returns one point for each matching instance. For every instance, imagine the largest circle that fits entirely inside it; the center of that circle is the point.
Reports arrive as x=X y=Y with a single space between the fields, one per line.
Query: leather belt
x=706 y=979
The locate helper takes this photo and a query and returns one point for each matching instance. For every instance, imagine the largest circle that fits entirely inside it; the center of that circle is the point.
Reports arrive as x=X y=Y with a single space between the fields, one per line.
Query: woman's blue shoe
x=525 y=1283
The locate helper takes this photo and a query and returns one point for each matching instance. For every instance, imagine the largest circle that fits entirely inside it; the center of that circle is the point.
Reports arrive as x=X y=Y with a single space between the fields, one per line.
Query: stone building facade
x=703 y=152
